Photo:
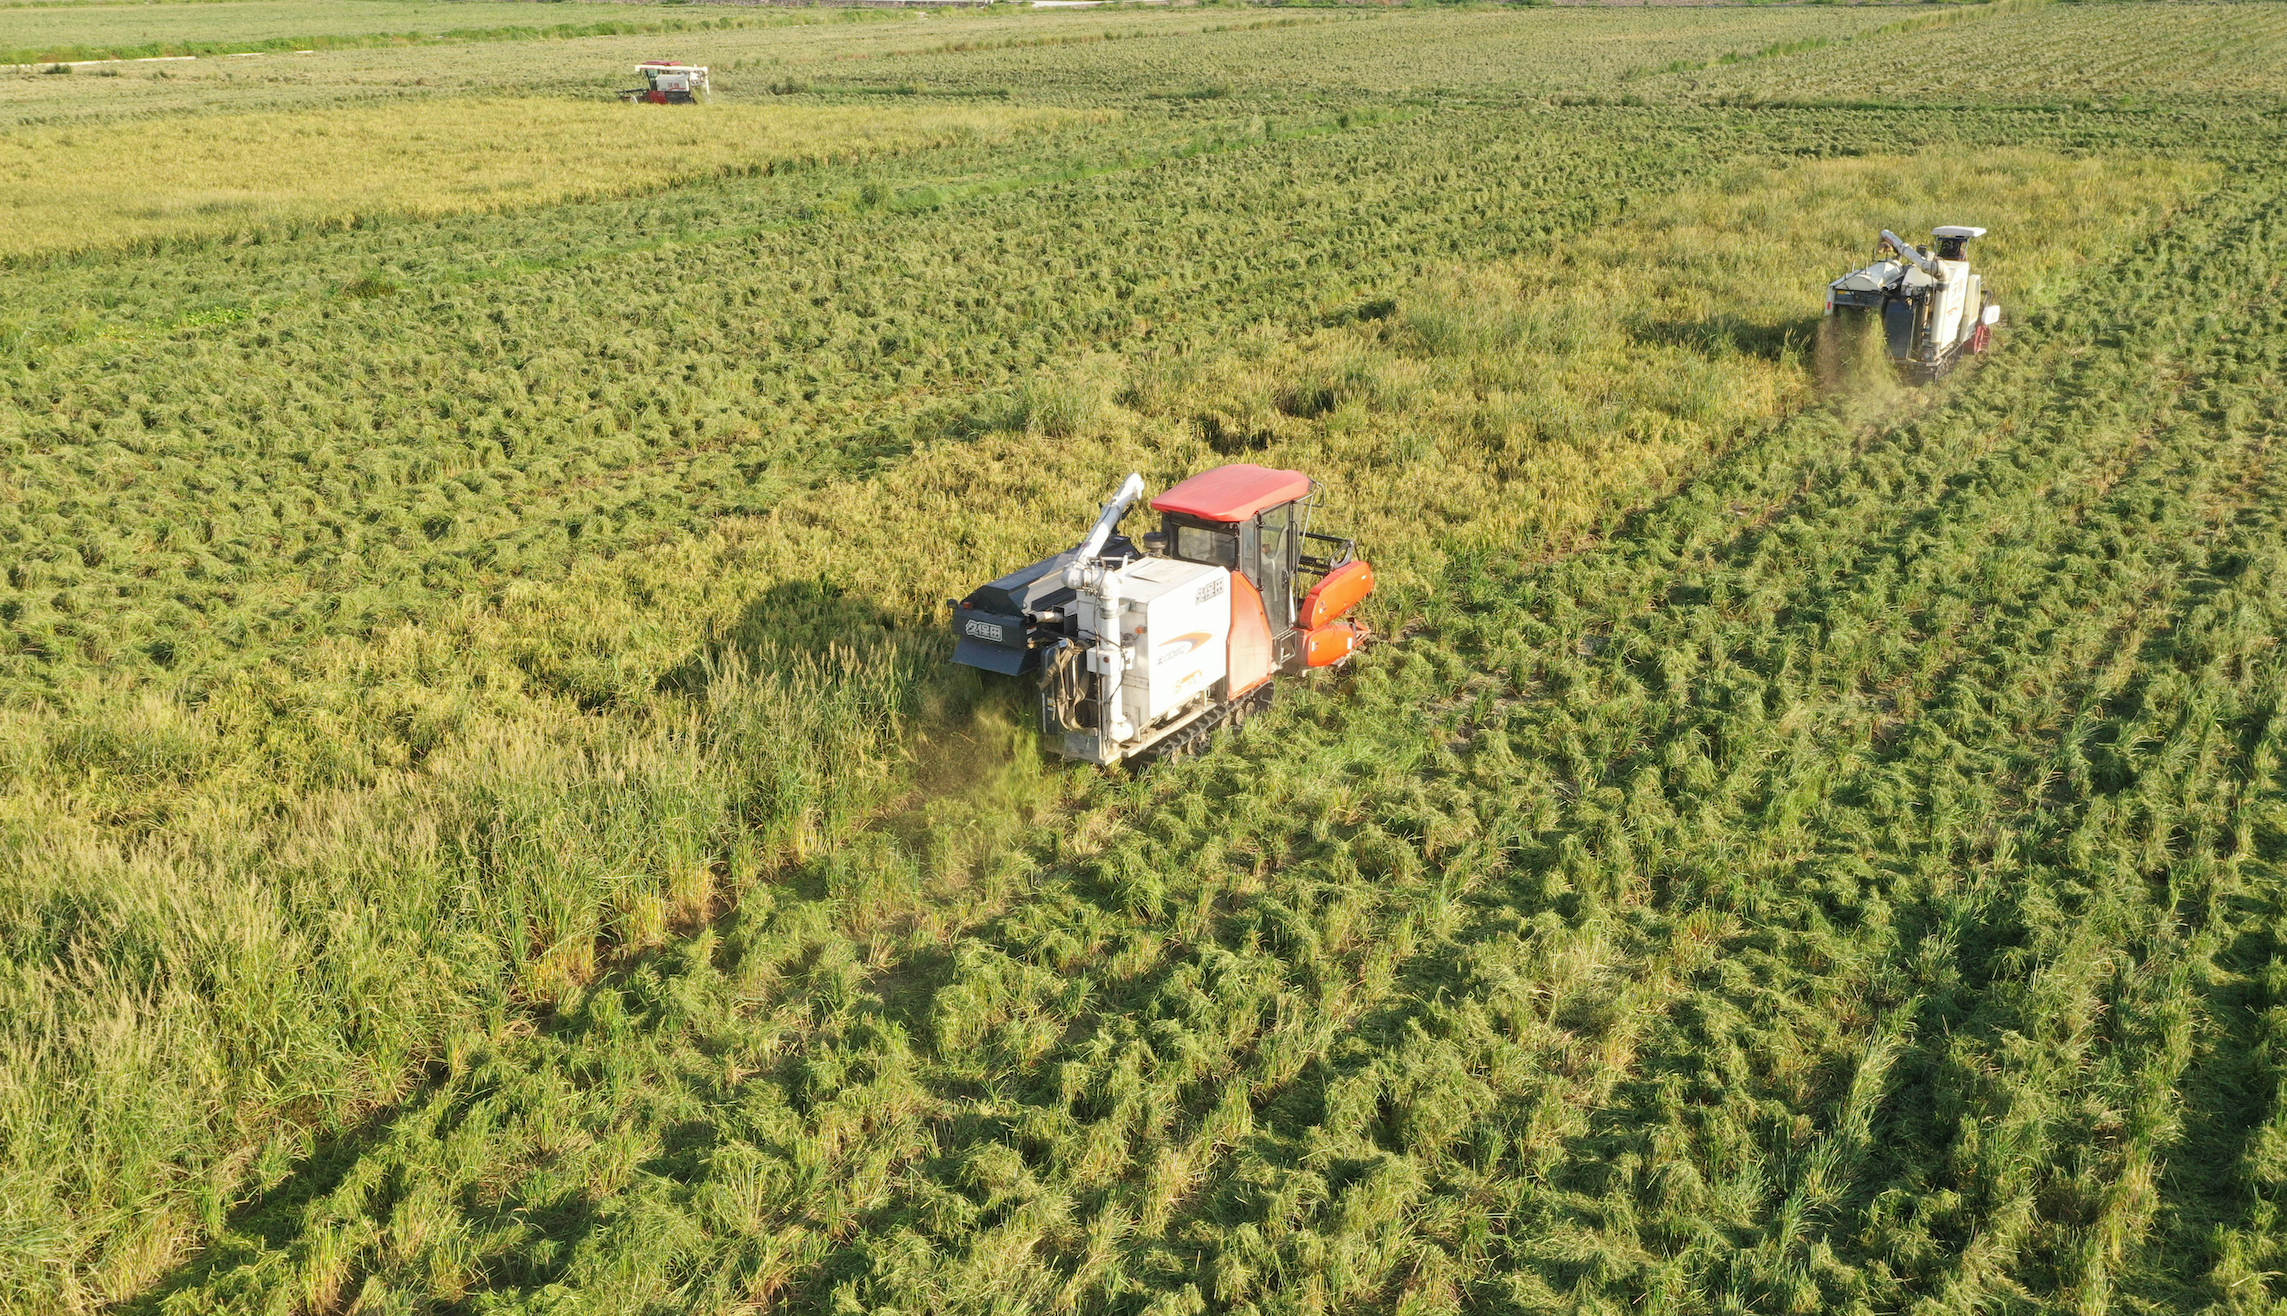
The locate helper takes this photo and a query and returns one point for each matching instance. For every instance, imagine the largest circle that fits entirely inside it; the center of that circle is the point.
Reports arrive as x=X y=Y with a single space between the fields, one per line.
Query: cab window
x=1277 y=524
x=1200 y=544
x=1276 y=542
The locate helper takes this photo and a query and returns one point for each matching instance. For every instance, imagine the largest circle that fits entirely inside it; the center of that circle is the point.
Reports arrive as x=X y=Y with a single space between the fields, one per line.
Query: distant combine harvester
x=666 y=82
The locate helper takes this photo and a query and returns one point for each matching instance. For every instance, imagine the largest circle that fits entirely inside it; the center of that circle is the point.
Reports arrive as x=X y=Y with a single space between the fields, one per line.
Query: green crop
x=490 y=828
x=49 y=31
x=2081 y=55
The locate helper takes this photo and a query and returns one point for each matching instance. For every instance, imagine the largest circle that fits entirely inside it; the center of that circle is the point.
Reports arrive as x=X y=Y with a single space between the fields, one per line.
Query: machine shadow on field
x=2204 y=1189
x=1767 y=340
x=272 y=1219
x=963 y=729
x=807 y=617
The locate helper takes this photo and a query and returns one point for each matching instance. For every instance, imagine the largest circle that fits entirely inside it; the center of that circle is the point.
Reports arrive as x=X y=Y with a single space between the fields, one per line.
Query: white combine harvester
x=666 y=82
x=1931 y=308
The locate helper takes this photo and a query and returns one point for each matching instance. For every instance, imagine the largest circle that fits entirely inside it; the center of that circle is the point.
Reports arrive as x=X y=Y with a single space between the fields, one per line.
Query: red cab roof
x=1233 y=493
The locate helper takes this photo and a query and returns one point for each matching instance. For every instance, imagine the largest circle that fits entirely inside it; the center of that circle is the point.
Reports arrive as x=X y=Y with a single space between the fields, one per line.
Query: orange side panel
x=1332 y=598
x=1329 y=644
x=1252 y=658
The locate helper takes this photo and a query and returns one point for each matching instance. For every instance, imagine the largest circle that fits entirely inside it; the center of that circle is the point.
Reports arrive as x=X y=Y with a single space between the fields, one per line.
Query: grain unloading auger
x=1931 y=309
x=1143 y=650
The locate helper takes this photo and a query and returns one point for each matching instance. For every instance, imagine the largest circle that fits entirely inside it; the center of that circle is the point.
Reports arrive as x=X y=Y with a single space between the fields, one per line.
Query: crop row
x=1792 y=906
x=202 y=501
x=201 y=177
x=389 y=920
x=287 y=868
x=2085 y=53
x=320 y=469
x=48 y=34
x=1300 y=1202
x=760 y=56
x=1504 y=55
x=1170 y=58
x=574 y=779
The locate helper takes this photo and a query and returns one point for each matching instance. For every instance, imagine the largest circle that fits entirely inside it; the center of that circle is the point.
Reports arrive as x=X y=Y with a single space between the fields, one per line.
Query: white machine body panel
x=1883 y=274
x=1874 y=278
x=1175 y=629
x=1948 y=325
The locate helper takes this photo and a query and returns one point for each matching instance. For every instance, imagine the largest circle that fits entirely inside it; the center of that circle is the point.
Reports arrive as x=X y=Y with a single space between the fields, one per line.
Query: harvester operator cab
x=1255 y=521
x=1953 y=240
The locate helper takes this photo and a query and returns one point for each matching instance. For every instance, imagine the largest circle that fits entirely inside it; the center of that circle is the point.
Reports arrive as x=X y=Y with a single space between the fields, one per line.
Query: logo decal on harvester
x=1179 y=646
x=984 y=630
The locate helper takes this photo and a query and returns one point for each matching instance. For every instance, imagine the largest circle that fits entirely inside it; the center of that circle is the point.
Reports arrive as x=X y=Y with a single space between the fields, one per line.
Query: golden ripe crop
x=72 y=188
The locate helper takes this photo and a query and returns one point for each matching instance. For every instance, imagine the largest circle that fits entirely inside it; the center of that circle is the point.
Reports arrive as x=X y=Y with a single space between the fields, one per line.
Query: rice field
x=489 y=826
x=70 y=31
x=246 y=175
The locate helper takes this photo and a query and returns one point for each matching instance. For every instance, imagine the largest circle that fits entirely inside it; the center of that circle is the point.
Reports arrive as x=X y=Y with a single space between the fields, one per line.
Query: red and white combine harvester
x=1141 y=651
x=666 y=82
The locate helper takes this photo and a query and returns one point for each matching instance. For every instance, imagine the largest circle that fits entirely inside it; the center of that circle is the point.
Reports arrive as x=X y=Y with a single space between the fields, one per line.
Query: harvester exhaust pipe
x=1130 y=490
x=1906 y=249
